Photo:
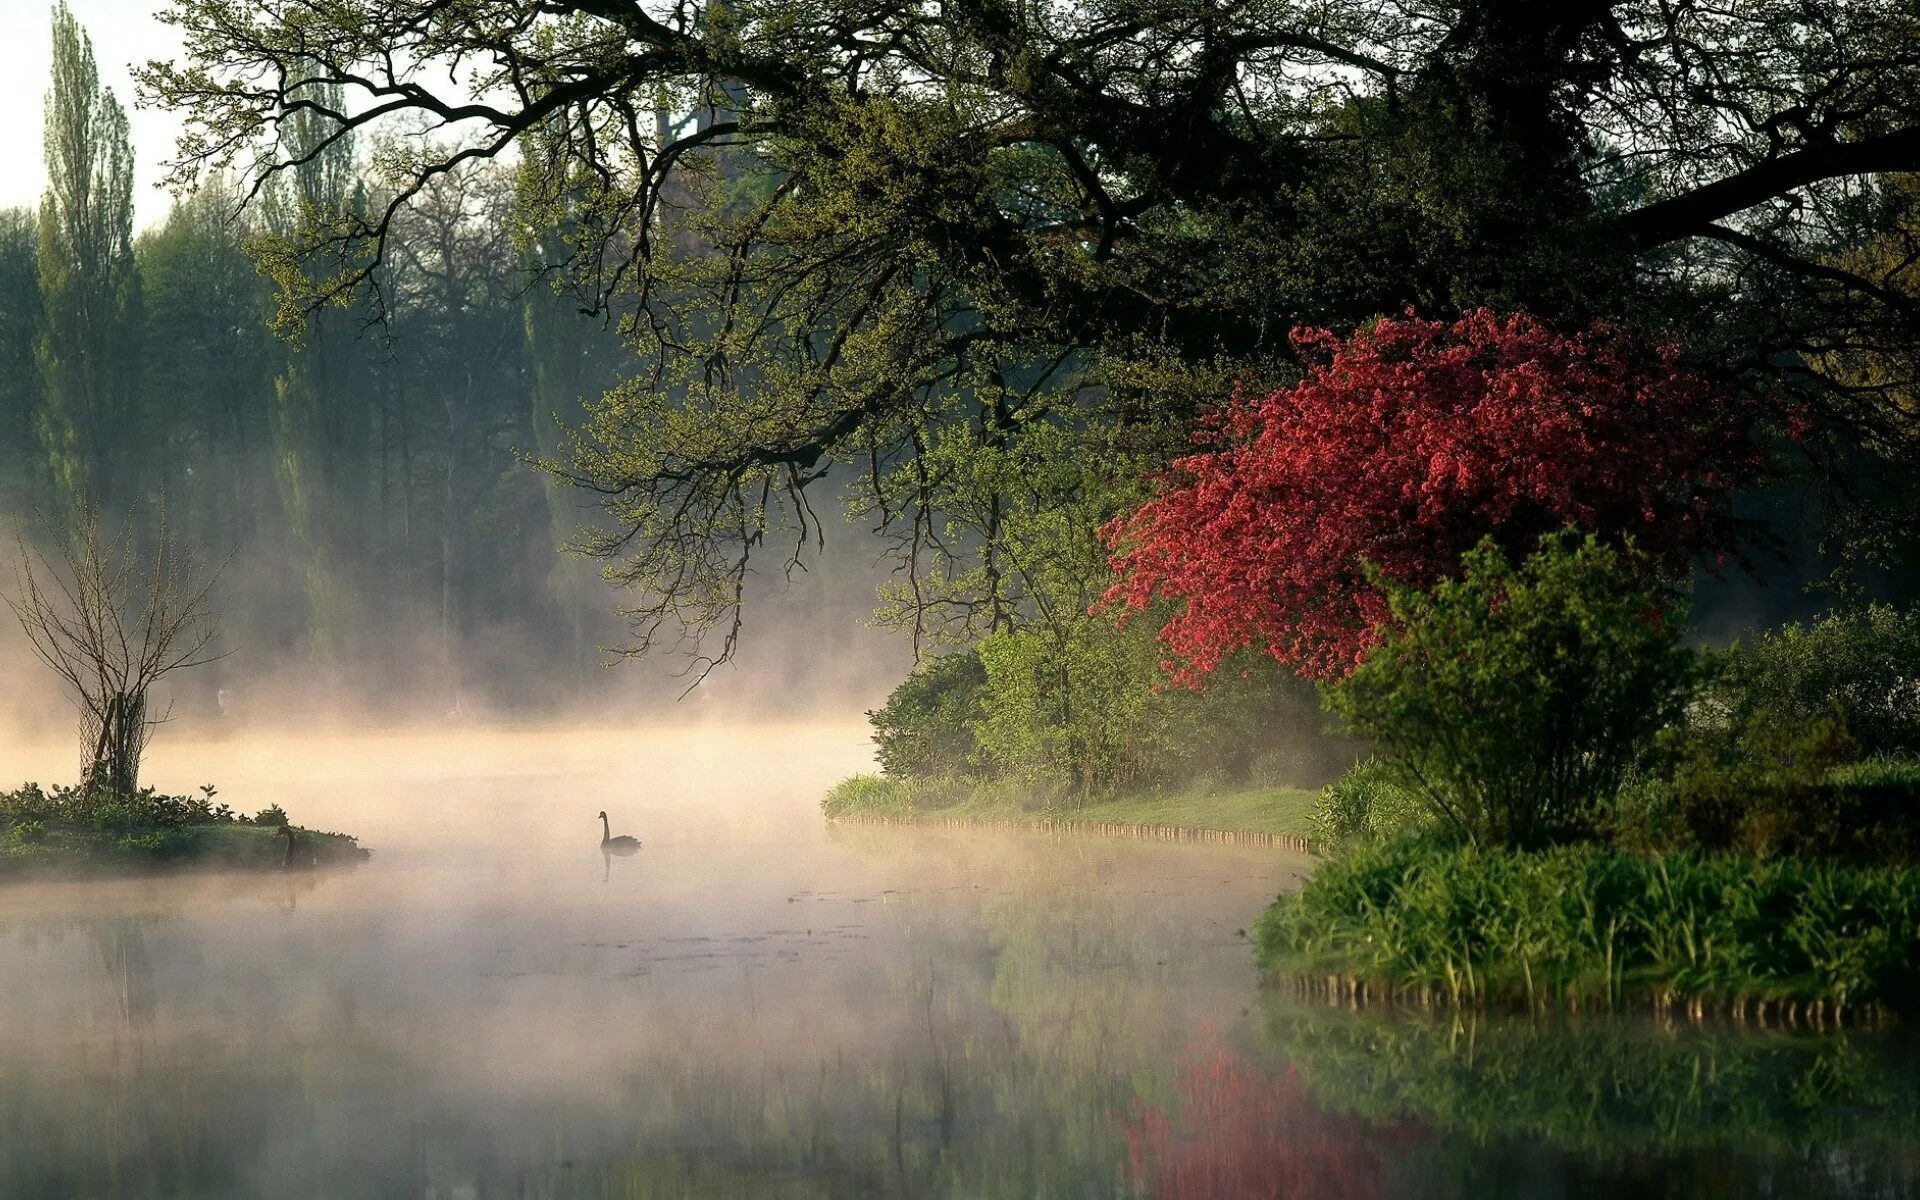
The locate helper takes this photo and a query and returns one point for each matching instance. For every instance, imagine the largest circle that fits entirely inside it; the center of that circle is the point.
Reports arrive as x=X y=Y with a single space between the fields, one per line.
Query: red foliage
x=1242 y=1134
x=1403 y=446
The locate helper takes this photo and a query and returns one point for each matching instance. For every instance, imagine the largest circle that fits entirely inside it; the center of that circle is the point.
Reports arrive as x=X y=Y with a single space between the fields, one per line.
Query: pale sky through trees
x=123 y=32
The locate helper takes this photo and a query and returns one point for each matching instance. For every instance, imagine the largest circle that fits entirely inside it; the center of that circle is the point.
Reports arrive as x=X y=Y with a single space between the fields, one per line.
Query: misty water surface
x=758 y=1004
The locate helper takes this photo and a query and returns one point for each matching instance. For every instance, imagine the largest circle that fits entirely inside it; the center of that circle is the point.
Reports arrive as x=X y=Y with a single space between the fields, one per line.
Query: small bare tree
x=112 y=619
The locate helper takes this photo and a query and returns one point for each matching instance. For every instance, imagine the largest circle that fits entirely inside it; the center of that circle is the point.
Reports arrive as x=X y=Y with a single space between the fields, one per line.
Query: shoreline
x=1142 y=831
x=87 y=855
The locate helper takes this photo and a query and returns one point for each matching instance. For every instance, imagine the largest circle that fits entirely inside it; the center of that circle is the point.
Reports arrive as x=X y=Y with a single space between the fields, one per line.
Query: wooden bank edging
x=1357 y=993
x=1158 y=833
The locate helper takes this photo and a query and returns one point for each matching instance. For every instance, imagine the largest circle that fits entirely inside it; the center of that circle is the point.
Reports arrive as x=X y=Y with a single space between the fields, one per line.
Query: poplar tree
x=88 y=350
x=20 y=464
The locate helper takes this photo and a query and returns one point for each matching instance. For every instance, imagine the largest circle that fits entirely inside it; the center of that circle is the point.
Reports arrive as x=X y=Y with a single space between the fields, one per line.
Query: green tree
x=89 y=290
x=1516 y=698
x=926 y=727
x=208 y=367
x=1072 y=705
x=454 y=311
x=1860 y=667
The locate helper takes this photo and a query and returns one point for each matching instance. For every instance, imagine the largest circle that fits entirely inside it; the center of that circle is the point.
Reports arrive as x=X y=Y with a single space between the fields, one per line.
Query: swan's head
x=602 y=816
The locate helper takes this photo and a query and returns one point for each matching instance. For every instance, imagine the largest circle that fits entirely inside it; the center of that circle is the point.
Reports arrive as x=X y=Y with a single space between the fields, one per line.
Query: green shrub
x=31 y=807
x=926 y=726
x=90 y=831
x=1485 y=926
x=27 y=833
x=1860 y=668
x=1751 y=788
x=1771 y=789
x=1645 y=816
x=154 y=842
x=1897 y=779
x=942 y=791
x=1372 y=803
x=1763 y=763
x=1517 y=700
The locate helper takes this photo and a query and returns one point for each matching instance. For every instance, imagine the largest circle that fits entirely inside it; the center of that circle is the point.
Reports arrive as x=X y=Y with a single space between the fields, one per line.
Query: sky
x=123 y=32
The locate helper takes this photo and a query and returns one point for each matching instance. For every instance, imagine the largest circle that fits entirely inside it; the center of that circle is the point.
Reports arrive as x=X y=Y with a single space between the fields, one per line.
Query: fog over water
x=489 y=1003
x=759 y=1003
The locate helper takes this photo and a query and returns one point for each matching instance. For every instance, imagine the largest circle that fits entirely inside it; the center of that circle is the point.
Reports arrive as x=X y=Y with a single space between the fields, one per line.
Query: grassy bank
x=1586 y=926
x=68 y=832
x=1280 y=812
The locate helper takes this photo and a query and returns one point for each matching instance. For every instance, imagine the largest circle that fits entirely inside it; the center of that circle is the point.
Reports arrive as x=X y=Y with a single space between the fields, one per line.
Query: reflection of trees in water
x=135 y=1092
x=1240 y=1131
x=122 y=946
x=990 y=1049
x=1019 y=1039
x=1623 y=1107
x=85 y=1124
x=1019 y=1026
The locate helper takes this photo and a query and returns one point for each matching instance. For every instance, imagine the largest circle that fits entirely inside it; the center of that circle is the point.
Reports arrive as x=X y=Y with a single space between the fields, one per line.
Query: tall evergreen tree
x=88 y=350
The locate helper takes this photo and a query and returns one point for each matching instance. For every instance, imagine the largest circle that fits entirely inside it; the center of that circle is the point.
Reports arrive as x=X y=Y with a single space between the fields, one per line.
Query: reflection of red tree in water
x=1243 y=1133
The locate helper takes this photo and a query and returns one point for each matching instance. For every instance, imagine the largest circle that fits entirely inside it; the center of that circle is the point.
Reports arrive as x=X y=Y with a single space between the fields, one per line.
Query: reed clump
x=1781 y=940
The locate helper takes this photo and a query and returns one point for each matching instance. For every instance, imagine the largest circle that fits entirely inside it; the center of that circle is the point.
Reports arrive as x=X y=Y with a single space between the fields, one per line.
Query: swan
x=615 y=845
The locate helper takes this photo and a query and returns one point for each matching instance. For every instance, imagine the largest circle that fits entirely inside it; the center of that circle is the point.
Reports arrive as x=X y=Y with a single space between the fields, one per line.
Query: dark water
x=758 y=1005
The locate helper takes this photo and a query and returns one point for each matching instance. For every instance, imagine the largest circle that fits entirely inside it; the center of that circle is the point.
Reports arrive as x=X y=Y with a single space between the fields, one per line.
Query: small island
x=113 y=615
x=76 y=833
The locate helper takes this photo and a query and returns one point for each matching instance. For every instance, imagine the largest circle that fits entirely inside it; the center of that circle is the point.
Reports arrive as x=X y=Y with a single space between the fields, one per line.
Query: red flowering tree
x=1402 y=447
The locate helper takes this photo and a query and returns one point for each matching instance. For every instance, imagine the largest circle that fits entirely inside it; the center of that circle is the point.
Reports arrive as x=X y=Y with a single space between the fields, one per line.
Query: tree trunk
x=116 y=752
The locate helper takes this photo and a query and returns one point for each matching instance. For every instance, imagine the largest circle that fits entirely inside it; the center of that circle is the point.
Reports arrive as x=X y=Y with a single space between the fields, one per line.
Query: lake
x=759 y=1004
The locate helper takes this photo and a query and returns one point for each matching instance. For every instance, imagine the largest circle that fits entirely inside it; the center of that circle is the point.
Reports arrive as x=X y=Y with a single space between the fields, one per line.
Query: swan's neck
x=606 y=830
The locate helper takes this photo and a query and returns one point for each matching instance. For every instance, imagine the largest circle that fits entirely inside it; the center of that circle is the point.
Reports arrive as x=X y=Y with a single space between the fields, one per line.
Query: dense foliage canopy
x=846 y=230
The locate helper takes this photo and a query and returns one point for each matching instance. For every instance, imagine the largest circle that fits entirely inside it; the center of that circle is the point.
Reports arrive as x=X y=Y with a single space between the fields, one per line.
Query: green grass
x=1261 y=809
x=1584 y=925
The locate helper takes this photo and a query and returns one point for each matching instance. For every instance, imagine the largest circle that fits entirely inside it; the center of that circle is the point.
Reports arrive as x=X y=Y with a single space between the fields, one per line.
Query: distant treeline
x=366 y=473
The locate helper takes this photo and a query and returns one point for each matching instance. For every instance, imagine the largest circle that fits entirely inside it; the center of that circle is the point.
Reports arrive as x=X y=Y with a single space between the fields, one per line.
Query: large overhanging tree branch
x=840 y=230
